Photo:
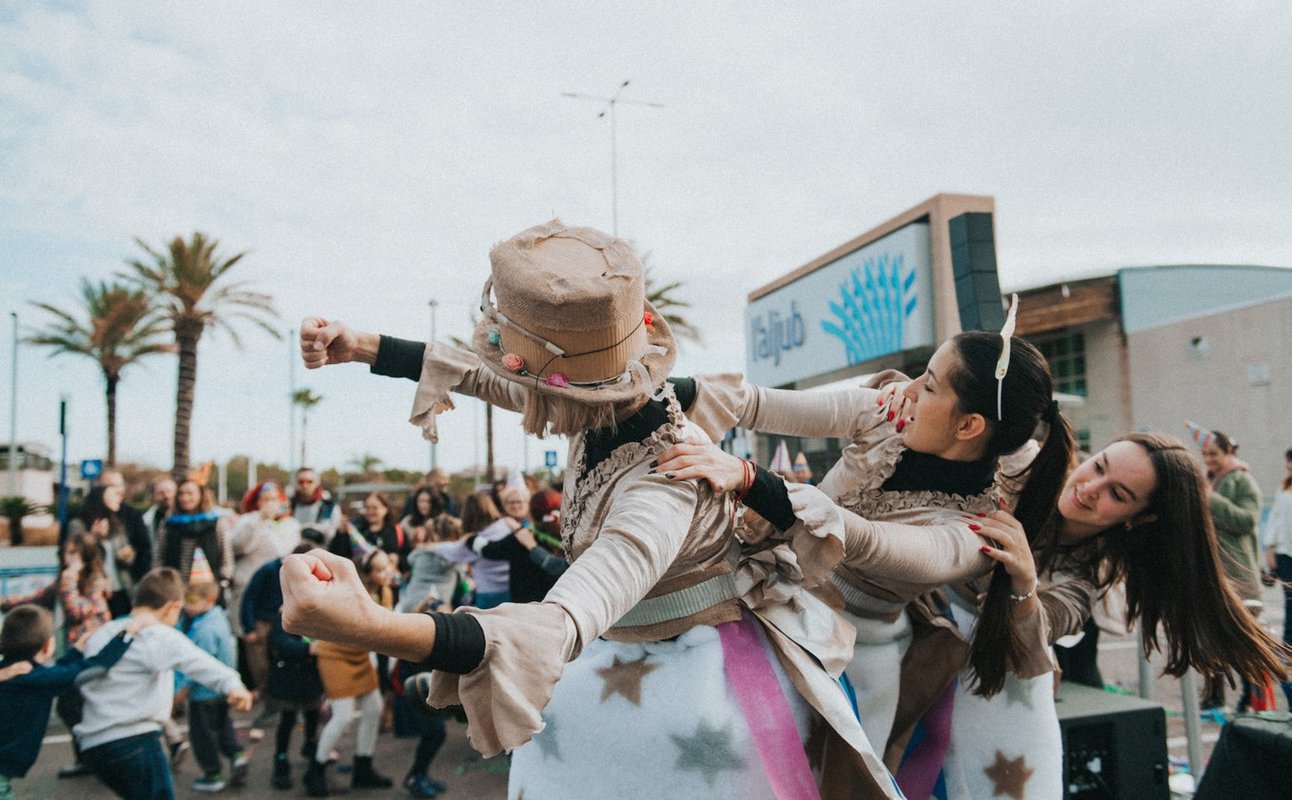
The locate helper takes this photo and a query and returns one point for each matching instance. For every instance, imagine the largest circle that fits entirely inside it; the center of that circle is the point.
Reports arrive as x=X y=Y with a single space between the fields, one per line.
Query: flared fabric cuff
x=817 y=536
x=443 y=369
x=777 y=580
x=526 y=648
x=1035 y=654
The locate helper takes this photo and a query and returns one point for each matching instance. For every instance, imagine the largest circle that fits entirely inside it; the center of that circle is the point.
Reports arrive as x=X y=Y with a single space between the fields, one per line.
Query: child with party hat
x=210 y=729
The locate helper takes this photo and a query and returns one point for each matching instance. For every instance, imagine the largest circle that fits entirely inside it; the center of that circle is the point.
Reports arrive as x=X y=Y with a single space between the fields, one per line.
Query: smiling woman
x=1136 y=510
x=1111 y=488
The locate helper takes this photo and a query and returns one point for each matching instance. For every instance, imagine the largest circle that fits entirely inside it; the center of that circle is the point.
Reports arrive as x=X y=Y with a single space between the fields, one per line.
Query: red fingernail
x=901 y=423
x=891 y=414
x=974 y=527
x=980 y=515
x=879 y=401
x=986 y=549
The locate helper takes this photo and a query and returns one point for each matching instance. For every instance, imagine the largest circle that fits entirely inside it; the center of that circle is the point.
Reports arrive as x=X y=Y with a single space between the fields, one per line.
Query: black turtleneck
x=924 y=472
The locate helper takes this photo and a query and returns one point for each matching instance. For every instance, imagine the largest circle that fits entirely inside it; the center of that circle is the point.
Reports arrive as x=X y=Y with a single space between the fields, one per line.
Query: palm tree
x=15 y=509
x=666 y=303
x=367 y=464
x=306 y=399
x=116 y=326
x=187 y=282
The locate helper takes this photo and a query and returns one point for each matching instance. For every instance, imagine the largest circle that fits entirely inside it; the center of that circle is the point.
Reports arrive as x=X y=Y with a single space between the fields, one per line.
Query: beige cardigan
x=898 y=545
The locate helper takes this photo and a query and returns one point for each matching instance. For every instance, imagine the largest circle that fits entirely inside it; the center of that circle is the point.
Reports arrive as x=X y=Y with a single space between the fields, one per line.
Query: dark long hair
x=437 y=506
x=1174 y=576
x=1026 y=400
x=94 y=509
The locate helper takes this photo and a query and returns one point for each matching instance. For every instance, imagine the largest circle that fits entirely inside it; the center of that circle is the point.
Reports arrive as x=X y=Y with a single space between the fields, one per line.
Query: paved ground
x=471 y=778
x=468 y=777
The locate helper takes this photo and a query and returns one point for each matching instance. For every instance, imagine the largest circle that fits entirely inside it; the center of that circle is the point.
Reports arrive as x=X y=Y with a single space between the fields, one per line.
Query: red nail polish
x=986 y=549
x=980 y=515
x=879 y=401
x=901 y=423
x=891 y=414
x=974 y=527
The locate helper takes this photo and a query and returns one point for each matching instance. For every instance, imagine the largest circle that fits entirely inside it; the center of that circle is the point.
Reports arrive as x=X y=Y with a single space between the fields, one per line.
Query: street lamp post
x=62 y=469
x=292 y=345
x=13 y=414
x=611 y=102
x=433 y=304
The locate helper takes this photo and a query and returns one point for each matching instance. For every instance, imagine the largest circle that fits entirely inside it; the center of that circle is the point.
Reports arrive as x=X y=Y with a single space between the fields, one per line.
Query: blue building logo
x=872 y=309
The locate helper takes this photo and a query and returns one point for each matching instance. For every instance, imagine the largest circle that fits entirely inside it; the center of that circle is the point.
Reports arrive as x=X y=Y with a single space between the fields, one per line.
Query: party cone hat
x=781 y=461
x=201 y=571
x=1198 y=433
x=801 y=468
x=360 y=547
x=515 y=479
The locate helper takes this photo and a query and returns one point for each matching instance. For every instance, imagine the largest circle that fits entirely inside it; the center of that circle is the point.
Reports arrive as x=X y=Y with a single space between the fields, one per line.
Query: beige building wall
x=1106 y=410
x=1229 y=370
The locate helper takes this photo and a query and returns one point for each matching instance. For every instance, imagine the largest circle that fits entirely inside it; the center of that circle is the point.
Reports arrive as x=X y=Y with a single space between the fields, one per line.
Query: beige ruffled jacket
x=631 y=535
x=924 y=541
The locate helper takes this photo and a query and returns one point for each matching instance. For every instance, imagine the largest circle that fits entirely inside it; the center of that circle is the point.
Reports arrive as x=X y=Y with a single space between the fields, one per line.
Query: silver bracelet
x=1018 y=598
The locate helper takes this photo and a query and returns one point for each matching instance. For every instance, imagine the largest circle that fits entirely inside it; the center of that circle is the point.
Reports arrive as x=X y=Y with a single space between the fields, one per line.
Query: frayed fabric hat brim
x=658 y=365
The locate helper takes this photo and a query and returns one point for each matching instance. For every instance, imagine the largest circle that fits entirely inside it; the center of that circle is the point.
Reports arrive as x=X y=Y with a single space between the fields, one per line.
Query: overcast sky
x=368 y=155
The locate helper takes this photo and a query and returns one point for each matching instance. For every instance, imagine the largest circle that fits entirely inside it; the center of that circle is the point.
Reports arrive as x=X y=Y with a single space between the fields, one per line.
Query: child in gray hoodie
x=120 y=731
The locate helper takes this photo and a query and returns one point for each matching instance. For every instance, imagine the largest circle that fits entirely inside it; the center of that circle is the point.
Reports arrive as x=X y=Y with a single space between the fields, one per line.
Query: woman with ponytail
x=926 y=462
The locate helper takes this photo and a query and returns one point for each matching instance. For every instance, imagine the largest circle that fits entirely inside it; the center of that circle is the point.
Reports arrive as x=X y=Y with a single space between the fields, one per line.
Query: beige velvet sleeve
x=528 y=645
x=945 y=551
x=448 y=369
x=727 y=401
x=640 y=538
x=1067 y=596
x=1036 y=652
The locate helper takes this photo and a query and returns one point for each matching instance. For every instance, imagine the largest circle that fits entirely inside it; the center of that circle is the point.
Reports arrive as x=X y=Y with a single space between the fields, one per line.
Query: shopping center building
x=1142 y=348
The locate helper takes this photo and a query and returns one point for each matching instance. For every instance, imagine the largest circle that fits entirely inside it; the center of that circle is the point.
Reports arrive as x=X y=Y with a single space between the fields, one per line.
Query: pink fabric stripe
x=768 y=713
x=920 y=768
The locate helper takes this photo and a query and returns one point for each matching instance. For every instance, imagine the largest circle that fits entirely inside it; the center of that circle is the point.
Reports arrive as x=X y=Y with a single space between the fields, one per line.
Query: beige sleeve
x=934 y=554
x=448 y=369
x=527 y=645
x=728 y=401
x=1067 y=597
x=639 y=539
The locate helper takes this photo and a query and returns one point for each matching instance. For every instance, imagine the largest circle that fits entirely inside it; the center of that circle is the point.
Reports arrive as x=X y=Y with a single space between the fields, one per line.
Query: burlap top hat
x=565 y=313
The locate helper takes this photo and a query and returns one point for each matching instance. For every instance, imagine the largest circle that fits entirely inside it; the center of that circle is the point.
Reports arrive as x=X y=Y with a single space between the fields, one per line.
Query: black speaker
x=1114 y=746
x=1251 y=760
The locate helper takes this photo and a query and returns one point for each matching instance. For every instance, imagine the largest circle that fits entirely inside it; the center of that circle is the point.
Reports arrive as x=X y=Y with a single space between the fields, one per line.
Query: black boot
x=365 y=777
x=282 y=777
x=316 y=780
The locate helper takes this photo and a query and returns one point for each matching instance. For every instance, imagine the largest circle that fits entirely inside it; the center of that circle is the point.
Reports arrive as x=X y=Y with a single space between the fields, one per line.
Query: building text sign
x=873 y=301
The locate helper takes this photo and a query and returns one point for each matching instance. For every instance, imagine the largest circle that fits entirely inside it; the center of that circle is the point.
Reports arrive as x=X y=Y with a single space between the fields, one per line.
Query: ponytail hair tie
x=1051 y=412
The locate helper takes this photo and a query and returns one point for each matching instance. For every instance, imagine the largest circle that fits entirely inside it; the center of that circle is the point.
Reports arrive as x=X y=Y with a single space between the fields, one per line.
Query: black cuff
x=399 y=358
x=459 y=643
x=685 y=390
x=769 y=497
